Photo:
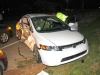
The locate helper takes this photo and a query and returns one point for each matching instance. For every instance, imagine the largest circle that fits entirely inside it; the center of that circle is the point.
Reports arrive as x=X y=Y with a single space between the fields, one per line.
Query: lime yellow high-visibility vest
x=61 y=16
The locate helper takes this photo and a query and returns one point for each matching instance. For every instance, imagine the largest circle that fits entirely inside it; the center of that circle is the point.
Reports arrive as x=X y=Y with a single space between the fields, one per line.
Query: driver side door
x=28 y=34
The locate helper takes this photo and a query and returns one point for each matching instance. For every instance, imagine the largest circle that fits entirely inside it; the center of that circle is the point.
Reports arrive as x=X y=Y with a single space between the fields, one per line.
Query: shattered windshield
x=49 y=24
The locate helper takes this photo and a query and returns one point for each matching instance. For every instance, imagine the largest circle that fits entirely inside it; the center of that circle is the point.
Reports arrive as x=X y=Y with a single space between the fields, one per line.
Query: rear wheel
x=4 y=37
x=1 y=70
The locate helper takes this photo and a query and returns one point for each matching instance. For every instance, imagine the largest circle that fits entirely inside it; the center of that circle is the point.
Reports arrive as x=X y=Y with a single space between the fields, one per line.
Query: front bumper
x=54 y=58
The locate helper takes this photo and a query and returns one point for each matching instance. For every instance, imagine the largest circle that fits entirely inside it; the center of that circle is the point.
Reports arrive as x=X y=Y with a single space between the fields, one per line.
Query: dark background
x=18 y=7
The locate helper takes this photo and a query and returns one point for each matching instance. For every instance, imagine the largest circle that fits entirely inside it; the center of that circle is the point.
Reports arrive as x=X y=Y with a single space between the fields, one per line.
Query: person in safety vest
x=68 y=18
x=61 y=16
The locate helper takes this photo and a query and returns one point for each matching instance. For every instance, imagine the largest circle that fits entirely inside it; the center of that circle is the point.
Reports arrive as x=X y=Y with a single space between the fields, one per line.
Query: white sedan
x=52 y=41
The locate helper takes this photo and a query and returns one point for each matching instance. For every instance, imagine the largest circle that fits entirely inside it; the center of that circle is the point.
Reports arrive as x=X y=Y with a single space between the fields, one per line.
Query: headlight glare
x=9 y=28
x=43 y=47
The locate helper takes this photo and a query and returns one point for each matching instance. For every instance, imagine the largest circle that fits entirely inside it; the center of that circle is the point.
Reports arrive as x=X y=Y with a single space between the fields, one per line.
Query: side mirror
x=73 y=26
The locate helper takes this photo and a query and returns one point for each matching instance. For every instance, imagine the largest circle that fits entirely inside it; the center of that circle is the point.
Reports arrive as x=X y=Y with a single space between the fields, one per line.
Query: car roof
x=38 y=15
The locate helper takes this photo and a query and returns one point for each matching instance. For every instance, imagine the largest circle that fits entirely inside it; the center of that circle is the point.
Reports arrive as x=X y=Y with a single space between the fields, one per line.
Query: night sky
x=70 y=4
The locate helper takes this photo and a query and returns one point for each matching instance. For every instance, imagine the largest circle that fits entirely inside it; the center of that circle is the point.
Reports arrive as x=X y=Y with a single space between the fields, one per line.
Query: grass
x=26 y=62
x=91 y=65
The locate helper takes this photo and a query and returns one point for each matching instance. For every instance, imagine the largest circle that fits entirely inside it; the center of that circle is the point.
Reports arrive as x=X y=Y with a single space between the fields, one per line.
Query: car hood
x=63 y=37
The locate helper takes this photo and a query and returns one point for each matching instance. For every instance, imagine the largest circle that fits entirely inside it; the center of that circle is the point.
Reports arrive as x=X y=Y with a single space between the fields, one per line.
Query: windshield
x=49 y=24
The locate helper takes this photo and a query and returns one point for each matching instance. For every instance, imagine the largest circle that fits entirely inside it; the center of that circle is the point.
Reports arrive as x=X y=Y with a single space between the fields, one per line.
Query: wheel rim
x=4 y=37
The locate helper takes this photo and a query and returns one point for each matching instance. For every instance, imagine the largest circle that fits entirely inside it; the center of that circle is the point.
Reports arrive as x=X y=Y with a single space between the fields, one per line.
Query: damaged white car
x=52 y=41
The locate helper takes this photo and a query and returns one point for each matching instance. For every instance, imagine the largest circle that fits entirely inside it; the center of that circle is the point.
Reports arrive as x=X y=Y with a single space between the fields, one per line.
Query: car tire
x=38 y=58
x=36 y=54
x=4 y=37
x=1 y=70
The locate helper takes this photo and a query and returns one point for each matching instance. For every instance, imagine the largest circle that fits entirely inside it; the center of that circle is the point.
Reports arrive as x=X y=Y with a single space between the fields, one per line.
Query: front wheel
x=36 y=54
x=38 y=58
x=4 y=37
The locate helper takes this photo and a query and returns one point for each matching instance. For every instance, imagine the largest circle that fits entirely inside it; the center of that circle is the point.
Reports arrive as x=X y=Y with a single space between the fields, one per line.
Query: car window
x=48 y=24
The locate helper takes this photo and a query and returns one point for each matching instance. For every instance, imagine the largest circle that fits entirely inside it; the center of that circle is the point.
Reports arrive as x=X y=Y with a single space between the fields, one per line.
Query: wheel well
x=3 y=30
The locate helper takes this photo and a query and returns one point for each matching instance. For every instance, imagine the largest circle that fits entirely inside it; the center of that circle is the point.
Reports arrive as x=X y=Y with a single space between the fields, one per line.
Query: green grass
x=91 y=65
x=26 y=62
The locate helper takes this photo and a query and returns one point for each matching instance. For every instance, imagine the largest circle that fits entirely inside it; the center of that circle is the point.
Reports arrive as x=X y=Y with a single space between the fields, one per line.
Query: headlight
x=50 y=48
x=9 y=28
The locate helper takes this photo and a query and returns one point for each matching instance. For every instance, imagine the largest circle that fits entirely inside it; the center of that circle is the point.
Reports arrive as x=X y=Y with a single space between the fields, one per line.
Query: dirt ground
x=13 y=67
x=26 y=66
x=23 y=64
x=32 y=70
